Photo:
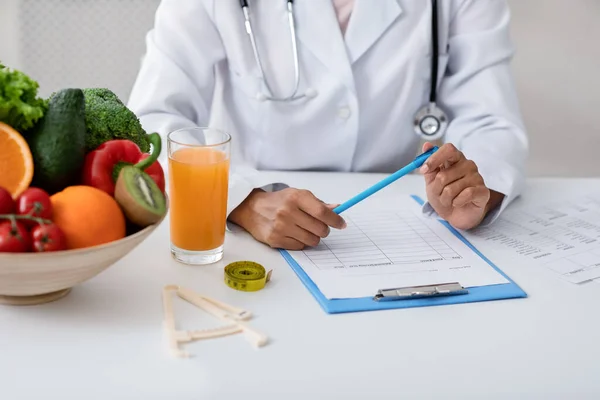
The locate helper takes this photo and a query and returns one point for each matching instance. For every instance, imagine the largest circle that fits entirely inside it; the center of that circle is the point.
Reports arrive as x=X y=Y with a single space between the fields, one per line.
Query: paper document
x=391 y=248
x=562 y=236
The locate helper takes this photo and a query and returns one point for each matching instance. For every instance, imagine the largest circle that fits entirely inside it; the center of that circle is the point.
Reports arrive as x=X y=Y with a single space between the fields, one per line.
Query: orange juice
x=198 y=196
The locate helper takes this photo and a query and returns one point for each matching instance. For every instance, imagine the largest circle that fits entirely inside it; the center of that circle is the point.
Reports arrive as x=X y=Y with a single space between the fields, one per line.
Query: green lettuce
x=20 y=106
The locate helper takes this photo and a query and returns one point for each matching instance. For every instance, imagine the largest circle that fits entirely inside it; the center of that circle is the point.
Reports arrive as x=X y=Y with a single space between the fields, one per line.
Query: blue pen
x=415 y=164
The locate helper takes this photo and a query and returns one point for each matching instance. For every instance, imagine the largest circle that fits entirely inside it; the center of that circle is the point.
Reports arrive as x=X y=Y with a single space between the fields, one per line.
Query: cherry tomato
x=14 y=237
x=36 y=203
x=48 y=237
x=7 y=204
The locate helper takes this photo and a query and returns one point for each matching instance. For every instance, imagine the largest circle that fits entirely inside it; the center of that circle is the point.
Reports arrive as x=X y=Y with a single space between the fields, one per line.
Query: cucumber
x=57 y=142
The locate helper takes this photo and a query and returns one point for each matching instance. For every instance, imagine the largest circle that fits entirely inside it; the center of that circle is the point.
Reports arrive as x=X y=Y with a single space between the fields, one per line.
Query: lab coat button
x=344 y=113
x=261 y=96
x=310 y=93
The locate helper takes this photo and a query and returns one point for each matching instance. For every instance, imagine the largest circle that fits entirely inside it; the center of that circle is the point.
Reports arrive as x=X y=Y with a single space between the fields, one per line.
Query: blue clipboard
x=476 y=294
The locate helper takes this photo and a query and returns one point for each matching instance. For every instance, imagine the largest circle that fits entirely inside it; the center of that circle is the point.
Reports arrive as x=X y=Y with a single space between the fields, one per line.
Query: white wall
x=557 y=65
x=557 y=70
x=9 y=49
x=76 y=43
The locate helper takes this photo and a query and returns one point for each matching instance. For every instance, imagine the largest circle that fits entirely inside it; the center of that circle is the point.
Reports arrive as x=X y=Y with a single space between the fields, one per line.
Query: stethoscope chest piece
x=430 y=122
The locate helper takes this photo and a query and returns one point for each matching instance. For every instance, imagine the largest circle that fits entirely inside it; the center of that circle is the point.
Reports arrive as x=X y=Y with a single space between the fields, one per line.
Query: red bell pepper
x=102 y=165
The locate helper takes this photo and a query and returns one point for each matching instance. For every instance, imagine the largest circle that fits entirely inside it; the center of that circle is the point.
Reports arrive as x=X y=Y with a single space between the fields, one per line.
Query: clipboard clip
x=424 y=291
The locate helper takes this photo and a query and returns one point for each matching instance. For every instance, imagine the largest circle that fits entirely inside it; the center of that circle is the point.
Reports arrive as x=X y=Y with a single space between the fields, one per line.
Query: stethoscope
x=430 y=121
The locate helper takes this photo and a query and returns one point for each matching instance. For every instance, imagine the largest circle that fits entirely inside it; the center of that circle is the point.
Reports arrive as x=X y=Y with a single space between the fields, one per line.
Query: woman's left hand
x=455 y=189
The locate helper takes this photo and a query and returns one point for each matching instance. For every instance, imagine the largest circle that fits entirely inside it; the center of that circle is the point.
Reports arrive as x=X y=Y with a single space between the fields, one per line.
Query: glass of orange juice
x=198 y=186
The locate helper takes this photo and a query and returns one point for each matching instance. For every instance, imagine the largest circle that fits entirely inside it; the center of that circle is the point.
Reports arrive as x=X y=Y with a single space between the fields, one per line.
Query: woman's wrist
x=240 y=213
x=494 y=201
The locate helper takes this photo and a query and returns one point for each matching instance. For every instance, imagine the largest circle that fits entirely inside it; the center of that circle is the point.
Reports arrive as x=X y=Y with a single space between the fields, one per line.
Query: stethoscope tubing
x=294 y=41
x=430 y=112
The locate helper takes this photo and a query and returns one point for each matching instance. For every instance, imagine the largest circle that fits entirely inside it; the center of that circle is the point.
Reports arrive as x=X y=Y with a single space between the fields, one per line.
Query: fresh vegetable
x=14 y=237
x=103 y=165
x=48 y=237
x=87 y=216
x=7 y=204
x=33 y=210
x=16 y=161
x=36 y=203
x=107 y=118
x=20 y=106
x=58 y=142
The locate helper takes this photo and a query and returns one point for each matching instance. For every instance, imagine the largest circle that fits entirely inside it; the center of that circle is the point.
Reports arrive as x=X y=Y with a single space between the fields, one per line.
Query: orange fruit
x=16 y=162
x=87 y=216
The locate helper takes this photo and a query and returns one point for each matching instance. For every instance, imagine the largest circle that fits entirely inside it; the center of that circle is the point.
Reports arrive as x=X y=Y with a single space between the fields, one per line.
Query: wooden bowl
x=36 y=278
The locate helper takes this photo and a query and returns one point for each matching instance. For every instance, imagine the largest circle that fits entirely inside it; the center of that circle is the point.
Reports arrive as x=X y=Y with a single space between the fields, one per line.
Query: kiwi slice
x=140 y=197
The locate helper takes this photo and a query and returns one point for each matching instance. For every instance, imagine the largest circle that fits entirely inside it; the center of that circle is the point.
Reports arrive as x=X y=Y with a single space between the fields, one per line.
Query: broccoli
x=20 y=106
x=107 y=118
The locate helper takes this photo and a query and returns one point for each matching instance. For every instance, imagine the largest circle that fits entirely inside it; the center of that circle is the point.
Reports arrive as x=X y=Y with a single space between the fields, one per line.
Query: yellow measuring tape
x=246 y=276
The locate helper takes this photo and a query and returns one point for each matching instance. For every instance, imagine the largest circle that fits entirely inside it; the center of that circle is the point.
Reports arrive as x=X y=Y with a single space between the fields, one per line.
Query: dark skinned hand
x=290 y=219
x=455 y=189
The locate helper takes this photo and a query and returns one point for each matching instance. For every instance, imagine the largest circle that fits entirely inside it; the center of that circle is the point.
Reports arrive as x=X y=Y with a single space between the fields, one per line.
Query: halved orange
x=16 y=162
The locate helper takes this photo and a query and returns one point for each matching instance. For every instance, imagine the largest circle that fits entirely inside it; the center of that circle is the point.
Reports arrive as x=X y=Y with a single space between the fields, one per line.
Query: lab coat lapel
x=368 y=22
x=319 y=30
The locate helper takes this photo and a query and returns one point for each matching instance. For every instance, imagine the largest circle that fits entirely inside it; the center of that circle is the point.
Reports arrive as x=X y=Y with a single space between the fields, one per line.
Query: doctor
x=341 y=85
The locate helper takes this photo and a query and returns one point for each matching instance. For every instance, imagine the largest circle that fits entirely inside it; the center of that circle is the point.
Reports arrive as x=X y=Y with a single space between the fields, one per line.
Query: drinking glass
x=198 y=188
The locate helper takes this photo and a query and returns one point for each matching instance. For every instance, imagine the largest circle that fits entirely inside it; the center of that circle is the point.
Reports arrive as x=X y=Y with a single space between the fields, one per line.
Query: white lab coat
x=199 y=69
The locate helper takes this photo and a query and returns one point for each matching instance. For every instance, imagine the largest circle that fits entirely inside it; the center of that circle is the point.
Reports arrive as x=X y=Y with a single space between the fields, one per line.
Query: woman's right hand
x=289 y=219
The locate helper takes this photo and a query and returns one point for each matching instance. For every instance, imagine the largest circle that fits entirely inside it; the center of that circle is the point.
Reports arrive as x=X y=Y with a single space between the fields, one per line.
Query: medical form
x=563 y=236
x=390 y=244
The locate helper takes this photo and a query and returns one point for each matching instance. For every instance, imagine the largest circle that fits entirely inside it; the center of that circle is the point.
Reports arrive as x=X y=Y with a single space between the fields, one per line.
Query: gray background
x=85 y=43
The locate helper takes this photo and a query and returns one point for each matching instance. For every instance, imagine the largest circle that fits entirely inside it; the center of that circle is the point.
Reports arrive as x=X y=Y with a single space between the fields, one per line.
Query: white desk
x=105 y=340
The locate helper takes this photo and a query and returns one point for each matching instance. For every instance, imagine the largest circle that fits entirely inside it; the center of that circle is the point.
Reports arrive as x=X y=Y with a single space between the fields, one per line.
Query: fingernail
x=424 y=168
x=344 y=225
